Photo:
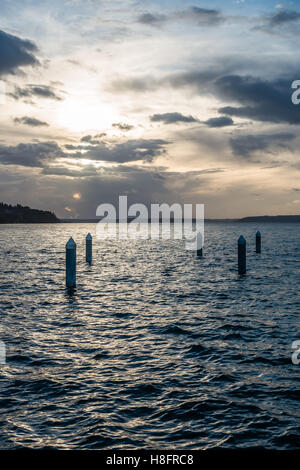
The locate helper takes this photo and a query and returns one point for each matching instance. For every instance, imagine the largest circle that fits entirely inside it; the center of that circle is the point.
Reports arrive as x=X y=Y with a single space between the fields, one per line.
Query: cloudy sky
x=162 y=101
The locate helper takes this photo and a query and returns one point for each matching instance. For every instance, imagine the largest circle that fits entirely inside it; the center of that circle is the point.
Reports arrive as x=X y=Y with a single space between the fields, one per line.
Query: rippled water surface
x=155 y=348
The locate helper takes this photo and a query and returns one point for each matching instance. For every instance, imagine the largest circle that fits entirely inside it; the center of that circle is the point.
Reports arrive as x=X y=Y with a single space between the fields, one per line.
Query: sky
x=163 y=101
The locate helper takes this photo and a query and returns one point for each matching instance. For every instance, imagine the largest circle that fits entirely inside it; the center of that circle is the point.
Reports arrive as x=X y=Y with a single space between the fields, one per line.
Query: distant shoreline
x=263 y=218
x=259 y=219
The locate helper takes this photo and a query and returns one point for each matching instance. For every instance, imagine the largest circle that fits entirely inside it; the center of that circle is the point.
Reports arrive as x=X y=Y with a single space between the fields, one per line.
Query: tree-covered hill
x=25 y=215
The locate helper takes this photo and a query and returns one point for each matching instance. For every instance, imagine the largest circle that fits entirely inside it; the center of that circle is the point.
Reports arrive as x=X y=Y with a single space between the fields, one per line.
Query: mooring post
x=88 y=250
x=242 y=255
x=71 y=263
x=258 y=242
x=199 y=244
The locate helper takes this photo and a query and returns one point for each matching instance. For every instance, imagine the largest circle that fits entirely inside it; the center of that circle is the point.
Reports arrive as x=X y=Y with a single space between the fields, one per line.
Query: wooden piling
x=88 y=248
x=258 y=242
x=242 y=255
x=71 y=263
x=199 y=245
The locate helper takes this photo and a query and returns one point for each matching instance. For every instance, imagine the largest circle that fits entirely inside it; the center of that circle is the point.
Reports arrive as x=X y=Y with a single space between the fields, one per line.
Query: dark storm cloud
x=129 y=151
x=222 y=121
x=74 y=147
x=258 y=99
x=94 y=149
x=145 y=150
x=152 y=19
x=93 y=139
x=261 y=100
x=122 y=126
x=33 y=91
x=247 y=145
x=39 y=154
x=171 y=118
x=283 y=21
x=30 y=155
x=15 y=52
x=274 y=96
x=30 y=121
x=283 y=17
x=200 y=16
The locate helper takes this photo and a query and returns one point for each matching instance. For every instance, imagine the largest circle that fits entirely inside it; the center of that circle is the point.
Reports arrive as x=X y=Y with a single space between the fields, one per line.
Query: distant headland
x=25 y=215
x=257 y=219
x=272 y=218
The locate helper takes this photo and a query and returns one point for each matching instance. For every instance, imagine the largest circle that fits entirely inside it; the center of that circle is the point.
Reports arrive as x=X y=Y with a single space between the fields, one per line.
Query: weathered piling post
x=242 y=255
x=199 y=245
x=71 y=263
x=258 y=242
x=88 y=248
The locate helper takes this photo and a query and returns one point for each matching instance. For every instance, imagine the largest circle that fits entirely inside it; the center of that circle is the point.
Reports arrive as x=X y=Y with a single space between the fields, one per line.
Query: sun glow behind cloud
x=85 y=113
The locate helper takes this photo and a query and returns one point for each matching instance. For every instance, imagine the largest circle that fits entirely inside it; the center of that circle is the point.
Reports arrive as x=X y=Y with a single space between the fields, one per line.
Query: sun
x=85 y=113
